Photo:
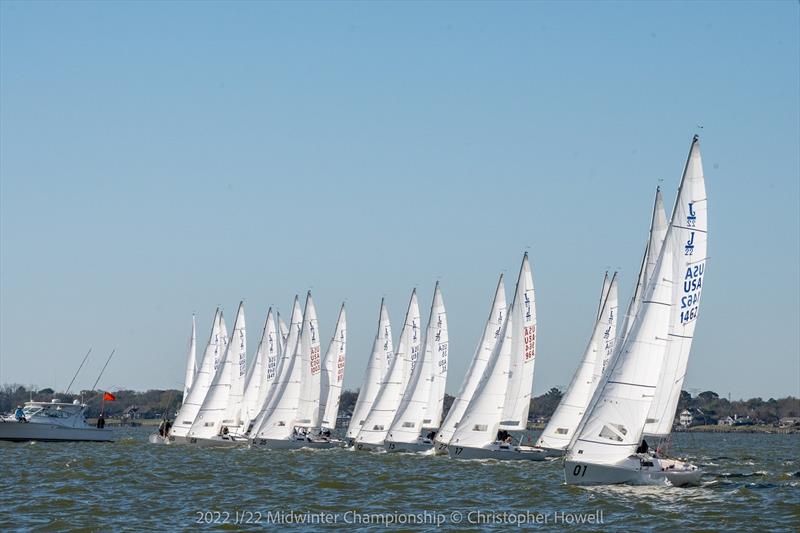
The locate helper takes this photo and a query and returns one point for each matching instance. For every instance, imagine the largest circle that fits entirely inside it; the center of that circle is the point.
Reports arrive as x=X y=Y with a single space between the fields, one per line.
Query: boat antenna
x=104 y=368
x=76 y=372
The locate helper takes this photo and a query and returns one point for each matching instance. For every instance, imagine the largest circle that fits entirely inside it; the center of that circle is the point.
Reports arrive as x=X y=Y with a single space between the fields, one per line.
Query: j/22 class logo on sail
x=692 y=287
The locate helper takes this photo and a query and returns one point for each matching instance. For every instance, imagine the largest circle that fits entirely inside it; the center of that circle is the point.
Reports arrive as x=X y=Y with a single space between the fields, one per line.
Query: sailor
x=162 y=428
x=643 y=447
x=101 y=421
x=19 y=414
x=431 y=435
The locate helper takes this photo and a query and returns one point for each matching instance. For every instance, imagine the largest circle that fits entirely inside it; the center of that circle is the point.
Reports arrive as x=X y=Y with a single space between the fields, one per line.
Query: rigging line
x=77 y=371
x=104 y=368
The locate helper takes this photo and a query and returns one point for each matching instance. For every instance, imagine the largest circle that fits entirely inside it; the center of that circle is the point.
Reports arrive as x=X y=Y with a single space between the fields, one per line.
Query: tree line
x=707 y=407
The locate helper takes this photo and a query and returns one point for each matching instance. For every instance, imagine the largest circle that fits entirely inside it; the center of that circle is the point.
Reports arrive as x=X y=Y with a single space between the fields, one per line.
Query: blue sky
x=162 y=158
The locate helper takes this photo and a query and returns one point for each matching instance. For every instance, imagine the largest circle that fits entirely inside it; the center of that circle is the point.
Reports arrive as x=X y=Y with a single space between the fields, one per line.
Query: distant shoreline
x=758 y=428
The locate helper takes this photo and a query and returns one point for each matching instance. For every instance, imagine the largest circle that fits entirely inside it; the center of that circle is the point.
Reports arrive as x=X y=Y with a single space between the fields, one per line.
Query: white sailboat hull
x=294 y=444
x=215 y=441
x=502 y=452
x=421 y=445
x=635 y=470
x=23 y=432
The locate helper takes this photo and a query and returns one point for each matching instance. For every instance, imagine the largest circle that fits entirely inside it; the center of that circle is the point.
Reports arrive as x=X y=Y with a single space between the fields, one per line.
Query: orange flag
x=107 y=396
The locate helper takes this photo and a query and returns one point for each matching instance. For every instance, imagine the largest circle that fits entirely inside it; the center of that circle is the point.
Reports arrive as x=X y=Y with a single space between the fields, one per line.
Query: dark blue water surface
x=752 y=483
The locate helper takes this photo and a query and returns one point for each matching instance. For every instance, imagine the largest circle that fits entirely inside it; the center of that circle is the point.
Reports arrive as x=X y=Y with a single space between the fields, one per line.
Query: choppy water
x=753 y=483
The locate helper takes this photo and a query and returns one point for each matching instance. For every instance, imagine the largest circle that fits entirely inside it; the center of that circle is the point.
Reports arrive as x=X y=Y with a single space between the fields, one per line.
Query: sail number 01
x=577 y=471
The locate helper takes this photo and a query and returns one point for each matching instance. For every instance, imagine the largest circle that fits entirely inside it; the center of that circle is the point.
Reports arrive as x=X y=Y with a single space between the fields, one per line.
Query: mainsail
x=688 y=237
x=658 y=229
x=333 y=373
x=416 y=409
x=561 y=427
x=220 y=406
x=497 y=400
x=382 y=351
x=612 y=426
x=308 y=414
x=256 y=380
x=523 y=352
x=376 y=425
x=483 y=352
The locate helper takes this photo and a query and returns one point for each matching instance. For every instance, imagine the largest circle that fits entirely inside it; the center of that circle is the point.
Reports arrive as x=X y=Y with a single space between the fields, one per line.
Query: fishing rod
x=104 y=368
x=76 y=372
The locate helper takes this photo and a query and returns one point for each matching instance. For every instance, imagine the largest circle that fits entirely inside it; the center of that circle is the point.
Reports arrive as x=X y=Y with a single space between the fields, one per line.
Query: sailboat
x=377 y=367
x=282 y=378
x=218 y=421
x=260 y=373
x=201 y=383
x=420 y=411
x=332 y=377
x=483 y=352
x=294 y=414
x=556 y=436
x=637 y=391
x=161 y=436
x=502 y=399
x=372 y=434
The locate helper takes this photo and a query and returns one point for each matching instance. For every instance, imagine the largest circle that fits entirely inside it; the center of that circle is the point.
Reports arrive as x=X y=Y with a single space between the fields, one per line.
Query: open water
x=752 y=484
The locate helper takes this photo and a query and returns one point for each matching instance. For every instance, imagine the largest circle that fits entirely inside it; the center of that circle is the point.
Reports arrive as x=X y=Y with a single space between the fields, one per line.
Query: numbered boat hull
x=292 y=444
x=408 y=447
x=500 y=452
x=635 y=470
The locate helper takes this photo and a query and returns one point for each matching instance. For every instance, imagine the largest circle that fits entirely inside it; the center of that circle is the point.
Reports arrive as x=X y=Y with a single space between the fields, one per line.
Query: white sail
x=197 y=393
x=219 y=407
x=481 y=421
x=415 y=411
x=523 y=352
x=377 y=367
x=333 y=373
x=283 y=328
x=608 y=340
x=283 y=366
x=279 y=420
x=561 y=427
x=658 y=230
x=612 y=427
x=440 y=347
x=483 y=352
x=377 y=423
x=191 y=361
x=310 y=357
x=238 y=354
x=688 y=237
x=258 y=374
